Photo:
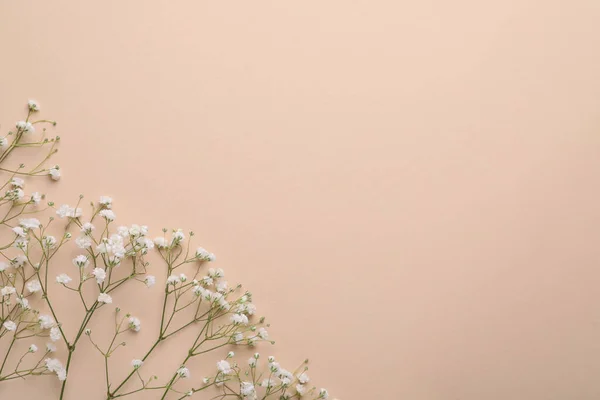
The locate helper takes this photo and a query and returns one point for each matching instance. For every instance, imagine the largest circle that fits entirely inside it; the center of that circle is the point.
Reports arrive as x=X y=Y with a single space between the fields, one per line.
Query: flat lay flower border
x=112 y=257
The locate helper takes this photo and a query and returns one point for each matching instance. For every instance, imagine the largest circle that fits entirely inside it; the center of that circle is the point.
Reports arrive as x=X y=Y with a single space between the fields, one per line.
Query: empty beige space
x=410 y=188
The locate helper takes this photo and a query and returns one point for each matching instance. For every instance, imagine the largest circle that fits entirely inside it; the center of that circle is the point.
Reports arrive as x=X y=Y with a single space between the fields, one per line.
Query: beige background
x=409 y=187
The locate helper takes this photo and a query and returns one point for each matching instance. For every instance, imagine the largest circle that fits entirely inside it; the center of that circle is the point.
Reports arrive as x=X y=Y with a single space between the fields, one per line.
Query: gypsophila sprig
x=103 y=259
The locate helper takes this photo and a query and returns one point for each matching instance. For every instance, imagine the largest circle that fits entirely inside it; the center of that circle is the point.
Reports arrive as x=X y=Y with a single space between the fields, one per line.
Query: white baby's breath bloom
x=136 y=363
x=135 y=324
x=239 y=319
x=10 y=325
x=54 y=173
x=204 y=255
x=3 y=266
x=17 y=182
x=106 y=201
x=34 y=286
x=190 y=393
x=108 y=214
x=53 y=365
x=238 y=337
x=160 y=242
x=87 y=228
x=29 y=223
x=19 y=261
x=33 y=105
x=183 y=372
x=230 y=354
x=246 y=389
x=63 y=279
x=54 y=333
x=263 y=334
x=83 y=242
x=7 y=291
x=323 y=394
x=301 y=390
x=45 y=321
x=23 y=302
x=224 y=367
x=303 y=378
x=150 y=280
x=252 y=362
x=178 y=237
x=67 y=211
x=36 y=197
x=19 y=231
x=268 y=383
x=50 y=347
x=104 y=298
x=33 y=348
x=173 y=280
x=3 y=142
x=99 y=274
x=49 y=242
x=26 y=127
x=81 y=261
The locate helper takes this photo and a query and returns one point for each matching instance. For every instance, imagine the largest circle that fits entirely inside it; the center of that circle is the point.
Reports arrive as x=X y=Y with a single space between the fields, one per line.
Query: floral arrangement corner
x=193 y=298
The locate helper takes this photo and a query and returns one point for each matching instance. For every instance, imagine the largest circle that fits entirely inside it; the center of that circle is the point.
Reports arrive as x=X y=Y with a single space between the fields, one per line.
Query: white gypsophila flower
x=221 y=286
x=247 y=389
x=7 y=291
x=178 y=237
x=54 y=333
x=204 y=255
x=301 y=390
x=123 y=231
x=36 y=197
x=50 y=347
x=224 y=367
x=19 y=261
x=63 y=279
x=136 y=363
x=182 y=277
x=54 y=173
x=323 y=394
x=19 y=231
x=160 y=242
x=33 y=105
x=207 y=281
x=190 y=393
x=29 y=223
x=268 y=383
x=81 y=261
x=238 y=337
x=10 y=325
x=205 y=380
x=99 y=274
x=303 y=378
x=45 y=321
x=17 y=182
x=173 y=280
x=216 y=273
x=53 y=365
x=150 y=280
x=263 y=334
x=15 y=194
x=239 y=319
x=113 y=247
x=104 y=298
x=67 y=211
x=23 y=302
x=33 y=348
x=3 y=266
x=25 y=126
x=49 y=242
x=109 y=215
x=34 y=286
x=135 y=324
x=183 y=372
x=252 y=362
x=87 y=228
x=3 y=142
x=106 y=201
x=83 y=242
x=230 y=354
